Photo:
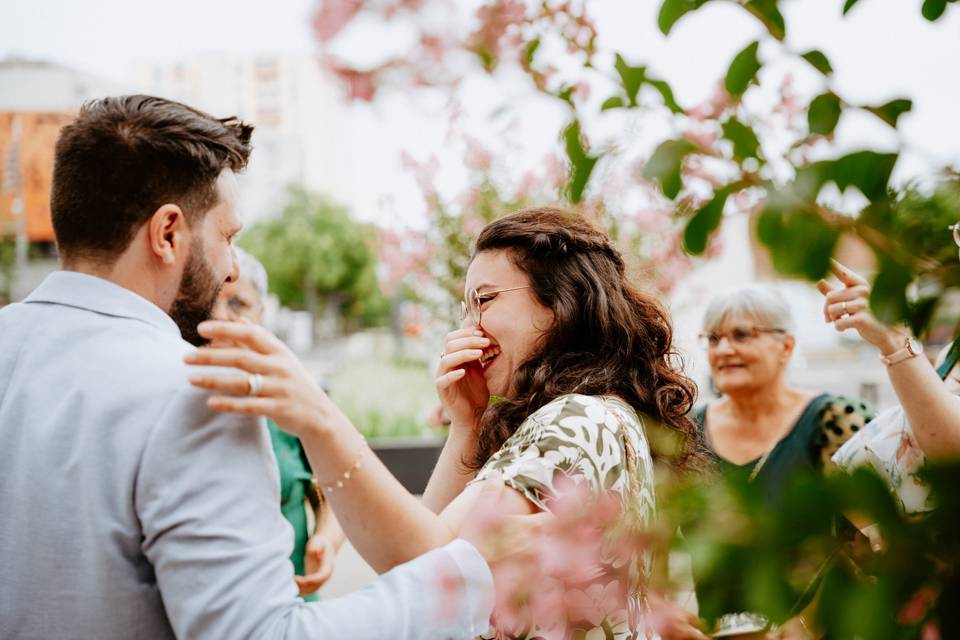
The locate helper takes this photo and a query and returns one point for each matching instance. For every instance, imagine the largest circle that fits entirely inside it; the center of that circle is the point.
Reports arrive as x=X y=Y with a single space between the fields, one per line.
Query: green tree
x=319 y=258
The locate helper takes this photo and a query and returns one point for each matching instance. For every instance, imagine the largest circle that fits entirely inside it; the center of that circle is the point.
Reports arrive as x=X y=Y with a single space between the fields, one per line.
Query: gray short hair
x=252 y=270
x=759 y=302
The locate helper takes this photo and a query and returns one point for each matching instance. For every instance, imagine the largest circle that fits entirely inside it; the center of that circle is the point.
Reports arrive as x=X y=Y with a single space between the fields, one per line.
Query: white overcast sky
x=883 y=49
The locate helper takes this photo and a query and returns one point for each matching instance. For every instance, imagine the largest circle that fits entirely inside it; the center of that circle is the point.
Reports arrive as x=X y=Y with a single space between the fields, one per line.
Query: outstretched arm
x=207 y=496
x=367 y=499
x=933 y=411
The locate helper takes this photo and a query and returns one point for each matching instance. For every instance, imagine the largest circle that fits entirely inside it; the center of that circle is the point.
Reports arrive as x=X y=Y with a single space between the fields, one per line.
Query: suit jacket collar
x=84 y=291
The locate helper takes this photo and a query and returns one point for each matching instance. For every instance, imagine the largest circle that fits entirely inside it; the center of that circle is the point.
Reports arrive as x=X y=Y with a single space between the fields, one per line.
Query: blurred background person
x=761 y=427
x=317 y=536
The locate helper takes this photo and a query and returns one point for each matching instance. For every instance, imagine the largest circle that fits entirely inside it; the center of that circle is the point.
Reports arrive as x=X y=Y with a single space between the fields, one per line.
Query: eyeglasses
x=956 y=232
x=736 y=336
x=238 y=305
x=471 y=307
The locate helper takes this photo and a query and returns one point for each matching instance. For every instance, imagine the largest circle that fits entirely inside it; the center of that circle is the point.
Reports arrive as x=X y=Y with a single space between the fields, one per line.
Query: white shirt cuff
x=478 y=583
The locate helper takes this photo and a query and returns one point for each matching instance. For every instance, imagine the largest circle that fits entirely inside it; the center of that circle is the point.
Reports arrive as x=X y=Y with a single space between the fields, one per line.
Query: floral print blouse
x=596 y=442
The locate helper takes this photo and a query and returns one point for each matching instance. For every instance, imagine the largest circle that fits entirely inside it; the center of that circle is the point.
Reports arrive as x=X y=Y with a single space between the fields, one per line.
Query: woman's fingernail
x=204 y=326
x=477 y=332
x=190 y=357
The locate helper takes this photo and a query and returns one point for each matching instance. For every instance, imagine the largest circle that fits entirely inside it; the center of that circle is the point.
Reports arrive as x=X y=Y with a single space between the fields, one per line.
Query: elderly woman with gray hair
x=761 y=427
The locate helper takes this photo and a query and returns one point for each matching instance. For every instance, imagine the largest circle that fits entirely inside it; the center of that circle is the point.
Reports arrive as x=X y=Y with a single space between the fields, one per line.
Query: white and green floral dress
x=598 y=442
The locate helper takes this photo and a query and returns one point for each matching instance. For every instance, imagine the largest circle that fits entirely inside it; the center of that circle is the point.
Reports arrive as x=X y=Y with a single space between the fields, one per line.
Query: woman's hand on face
x=848 y=307
x=460 y=383
x=289 y=395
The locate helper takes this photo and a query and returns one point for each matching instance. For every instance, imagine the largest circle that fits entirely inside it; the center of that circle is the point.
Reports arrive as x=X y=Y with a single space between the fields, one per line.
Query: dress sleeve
x=839 y=419
x=888 y=447
x=574 y=439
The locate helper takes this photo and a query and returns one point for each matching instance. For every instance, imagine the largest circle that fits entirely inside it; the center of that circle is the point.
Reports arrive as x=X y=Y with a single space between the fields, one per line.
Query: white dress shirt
x=129 y=510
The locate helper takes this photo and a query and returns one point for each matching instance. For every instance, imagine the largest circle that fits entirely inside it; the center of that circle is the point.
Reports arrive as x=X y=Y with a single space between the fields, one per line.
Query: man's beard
x=198 y=292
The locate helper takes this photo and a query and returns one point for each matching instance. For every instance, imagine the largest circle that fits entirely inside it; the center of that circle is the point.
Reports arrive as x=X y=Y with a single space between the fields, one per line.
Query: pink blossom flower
x=331 y=16
x=596 y=602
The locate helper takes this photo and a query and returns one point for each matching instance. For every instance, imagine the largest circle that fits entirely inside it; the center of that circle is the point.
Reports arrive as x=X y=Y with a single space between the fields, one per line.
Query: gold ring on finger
x=843 y=307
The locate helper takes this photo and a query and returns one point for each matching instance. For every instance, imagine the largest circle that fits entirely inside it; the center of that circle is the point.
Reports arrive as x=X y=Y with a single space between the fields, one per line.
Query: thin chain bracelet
x=346 y=474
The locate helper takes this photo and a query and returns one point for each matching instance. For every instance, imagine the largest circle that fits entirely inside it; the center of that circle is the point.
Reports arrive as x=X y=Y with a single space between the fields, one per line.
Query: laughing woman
x=576 y=354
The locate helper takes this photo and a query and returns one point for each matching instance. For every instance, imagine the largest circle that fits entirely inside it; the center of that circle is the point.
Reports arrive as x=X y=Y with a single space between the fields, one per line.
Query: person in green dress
x=316 y=534
x=761 y=427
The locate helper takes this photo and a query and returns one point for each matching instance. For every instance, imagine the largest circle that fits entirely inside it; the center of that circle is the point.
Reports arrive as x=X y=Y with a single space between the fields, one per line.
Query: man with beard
x=127 y=508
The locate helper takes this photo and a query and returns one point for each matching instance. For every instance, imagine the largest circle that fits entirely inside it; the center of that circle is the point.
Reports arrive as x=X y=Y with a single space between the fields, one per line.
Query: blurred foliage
x=454 y=232
x=776 y=561
x=8 y=265
x=907 y=231
x=717 y=158
x=404 y=396
x=317 y=256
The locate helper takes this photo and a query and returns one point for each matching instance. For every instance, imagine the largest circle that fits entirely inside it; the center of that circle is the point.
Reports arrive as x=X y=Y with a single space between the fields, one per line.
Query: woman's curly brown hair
x=608 y=338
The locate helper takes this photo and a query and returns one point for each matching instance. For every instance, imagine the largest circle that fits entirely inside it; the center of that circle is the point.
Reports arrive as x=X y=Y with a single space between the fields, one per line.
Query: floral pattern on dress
x=593 y=441
x=887 y=445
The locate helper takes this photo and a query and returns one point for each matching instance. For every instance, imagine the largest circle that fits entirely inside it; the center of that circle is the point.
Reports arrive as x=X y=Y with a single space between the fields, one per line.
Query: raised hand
x=287 y=393
x=460 y=383
x=848 y=307
x=318 y=564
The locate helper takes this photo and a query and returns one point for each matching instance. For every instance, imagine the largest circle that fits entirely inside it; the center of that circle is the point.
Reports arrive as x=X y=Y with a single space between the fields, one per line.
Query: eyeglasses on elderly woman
x=736 y=336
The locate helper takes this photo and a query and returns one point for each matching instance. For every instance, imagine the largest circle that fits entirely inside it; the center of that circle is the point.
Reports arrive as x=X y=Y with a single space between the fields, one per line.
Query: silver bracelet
x=346 y=474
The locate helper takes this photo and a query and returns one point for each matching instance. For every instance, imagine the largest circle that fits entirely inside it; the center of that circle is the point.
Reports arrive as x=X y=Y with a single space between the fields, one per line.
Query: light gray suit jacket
x=129 y=510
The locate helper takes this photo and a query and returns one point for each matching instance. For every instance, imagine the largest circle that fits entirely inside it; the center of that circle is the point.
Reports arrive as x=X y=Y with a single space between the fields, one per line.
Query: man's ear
x=168 y=233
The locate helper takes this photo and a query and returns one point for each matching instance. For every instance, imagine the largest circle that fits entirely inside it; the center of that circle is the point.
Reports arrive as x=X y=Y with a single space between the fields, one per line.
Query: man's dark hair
x=125 y=157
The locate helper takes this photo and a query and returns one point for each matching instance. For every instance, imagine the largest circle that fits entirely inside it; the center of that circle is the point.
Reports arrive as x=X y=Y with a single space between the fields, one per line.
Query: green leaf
x=742 y=70
x=769 y=14
x=665 y=164
x=824 y=113
x=891 y=111
x=581 y=163
x=673 y=10
x=565 y=93
x=615 y=102
x=745 y=141
x=667 y=93
x=531 y=51
x=868 y=171
x=819 y=61
x=921 y=313
x=933 y=9
x=888 y=297
x=849 y=5
x=631 y=78
x=703 y=223
x=800 y=243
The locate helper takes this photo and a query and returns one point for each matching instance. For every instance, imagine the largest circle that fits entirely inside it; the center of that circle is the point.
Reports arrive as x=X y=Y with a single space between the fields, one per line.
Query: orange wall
x=38 y=135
